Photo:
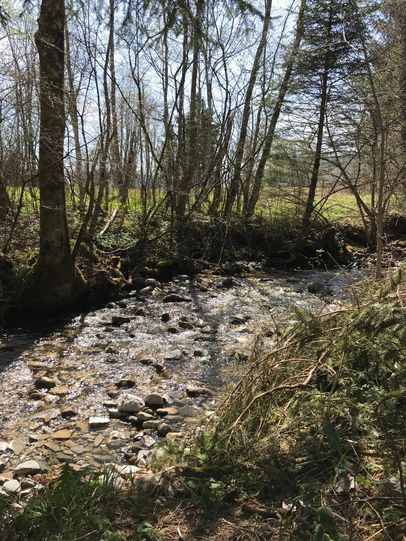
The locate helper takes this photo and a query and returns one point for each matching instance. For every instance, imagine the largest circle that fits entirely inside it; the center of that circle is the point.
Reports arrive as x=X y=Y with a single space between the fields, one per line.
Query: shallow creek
x=139 y=345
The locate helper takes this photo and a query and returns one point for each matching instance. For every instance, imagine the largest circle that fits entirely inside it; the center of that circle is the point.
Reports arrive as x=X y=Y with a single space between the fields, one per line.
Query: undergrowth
x=316 y=429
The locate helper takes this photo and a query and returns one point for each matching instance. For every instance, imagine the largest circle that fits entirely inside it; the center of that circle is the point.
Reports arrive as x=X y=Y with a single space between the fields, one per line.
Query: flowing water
x=148 y=345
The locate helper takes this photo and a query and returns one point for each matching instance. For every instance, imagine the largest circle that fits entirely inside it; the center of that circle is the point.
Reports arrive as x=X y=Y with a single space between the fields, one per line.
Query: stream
x=104 y=387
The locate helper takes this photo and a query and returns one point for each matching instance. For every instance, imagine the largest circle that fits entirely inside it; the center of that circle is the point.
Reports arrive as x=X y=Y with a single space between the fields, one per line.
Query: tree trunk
x=266 y=150
x=319 y=140
x=54 y=280
x=239 y=154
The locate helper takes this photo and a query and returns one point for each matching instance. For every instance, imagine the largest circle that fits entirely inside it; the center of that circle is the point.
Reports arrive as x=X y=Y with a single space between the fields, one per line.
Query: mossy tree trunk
x=54 y=280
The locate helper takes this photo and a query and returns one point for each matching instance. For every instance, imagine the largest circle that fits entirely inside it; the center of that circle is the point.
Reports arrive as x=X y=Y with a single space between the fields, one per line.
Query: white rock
x=130 y=403
x=29 y=467
x=12 y=486
x=96 y=422
x=127 y=470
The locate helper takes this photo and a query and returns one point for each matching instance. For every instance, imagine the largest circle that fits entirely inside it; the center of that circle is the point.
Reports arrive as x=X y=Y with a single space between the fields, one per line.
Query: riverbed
x=175 y=347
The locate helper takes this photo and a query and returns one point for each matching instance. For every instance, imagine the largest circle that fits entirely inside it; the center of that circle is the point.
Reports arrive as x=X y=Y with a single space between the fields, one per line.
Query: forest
x=202 y=292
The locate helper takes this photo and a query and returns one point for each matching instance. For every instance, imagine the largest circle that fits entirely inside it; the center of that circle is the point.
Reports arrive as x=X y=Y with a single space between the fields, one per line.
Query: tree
x=54 y=280
x=326 y=58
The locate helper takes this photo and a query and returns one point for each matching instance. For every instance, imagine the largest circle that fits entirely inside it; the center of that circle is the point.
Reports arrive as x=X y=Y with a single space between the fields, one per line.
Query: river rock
x=148 y=441
x=98 y=422
x=46 y=415
x=162 y=412
x=126 y=470
x=189 y=411
x=147 y=361
x=117 y=321
x=68 y=412
x=173 y=437
x=112 y=349
x=317 y=288
x=144 y=416
x=173 y=330
x=36 y=395
x=174 y=297
x=17 y=446
x=12 y=486
x=45 y=382
x=126 y=383
x=229 y=282
x=130 y=403
x=146 y=290
x=63 y=434
x=28 y=483
x=30 y=467
x=112 y=392
x=198 y=391
x=182 y=277
x=238 y=320
x=155 y=400
x=60 y=390
x=151 y=423
x=186 y=325
x=151 y=282
x=164 y=429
